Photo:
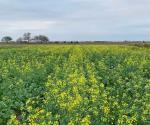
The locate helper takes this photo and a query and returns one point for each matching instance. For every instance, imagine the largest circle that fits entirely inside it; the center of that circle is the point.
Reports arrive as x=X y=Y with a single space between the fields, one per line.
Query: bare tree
x=27 y=37
x=41 y=38
x=19 y=40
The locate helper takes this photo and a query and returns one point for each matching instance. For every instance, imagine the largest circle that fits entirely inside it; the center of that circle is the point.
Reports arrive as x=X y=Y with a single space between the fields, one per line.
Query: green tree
x=6 y=39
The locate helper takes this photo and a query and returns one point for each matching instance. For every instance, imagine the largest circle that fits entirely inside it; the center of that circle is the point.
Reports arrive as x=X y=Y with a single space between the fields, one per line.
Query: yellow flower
x=86 y=120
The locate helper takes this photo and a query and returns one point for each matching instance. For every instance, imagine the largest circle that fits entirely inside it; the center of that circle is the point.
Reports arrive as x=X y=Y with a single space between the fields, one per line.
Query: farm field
x=74 y=85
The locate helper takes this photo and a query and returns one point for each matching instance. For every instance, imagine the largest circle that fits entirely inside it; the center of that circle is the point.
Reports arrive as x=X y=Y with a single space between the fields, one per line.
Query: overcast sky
x=77 y=19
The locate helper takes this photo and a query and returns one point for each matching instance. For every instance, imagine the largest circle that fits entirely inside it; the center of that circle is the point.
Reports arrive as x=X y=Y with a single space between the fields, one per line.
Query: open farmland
x=74 y=85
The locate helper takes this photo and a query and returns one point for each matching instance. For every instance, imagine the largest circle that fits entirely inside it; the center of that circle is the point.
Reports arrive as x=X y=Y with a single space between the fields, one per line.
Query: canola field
x=74 y=85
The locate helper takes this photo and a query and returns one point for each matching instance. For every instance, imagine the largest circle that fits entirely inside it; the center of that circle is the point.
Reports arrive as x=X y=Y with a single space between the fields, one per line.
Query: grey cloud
x=76 y=19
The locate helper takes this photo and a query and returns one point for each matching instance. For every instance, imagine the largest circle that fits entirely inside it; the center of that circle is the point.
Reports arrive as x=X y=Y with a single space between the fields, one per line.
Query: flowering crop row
x=74 y=85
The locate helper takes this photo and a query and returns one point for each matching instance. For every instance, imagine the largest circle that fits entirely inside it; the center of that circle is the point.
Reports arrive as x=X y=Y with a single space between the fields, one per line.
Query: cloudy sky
x=77 y=19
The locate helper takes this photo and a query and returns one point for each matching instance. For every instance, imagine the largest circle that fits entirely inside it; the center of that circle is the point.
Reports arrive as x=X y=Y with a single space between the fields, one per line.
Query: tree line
x=27 y=38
